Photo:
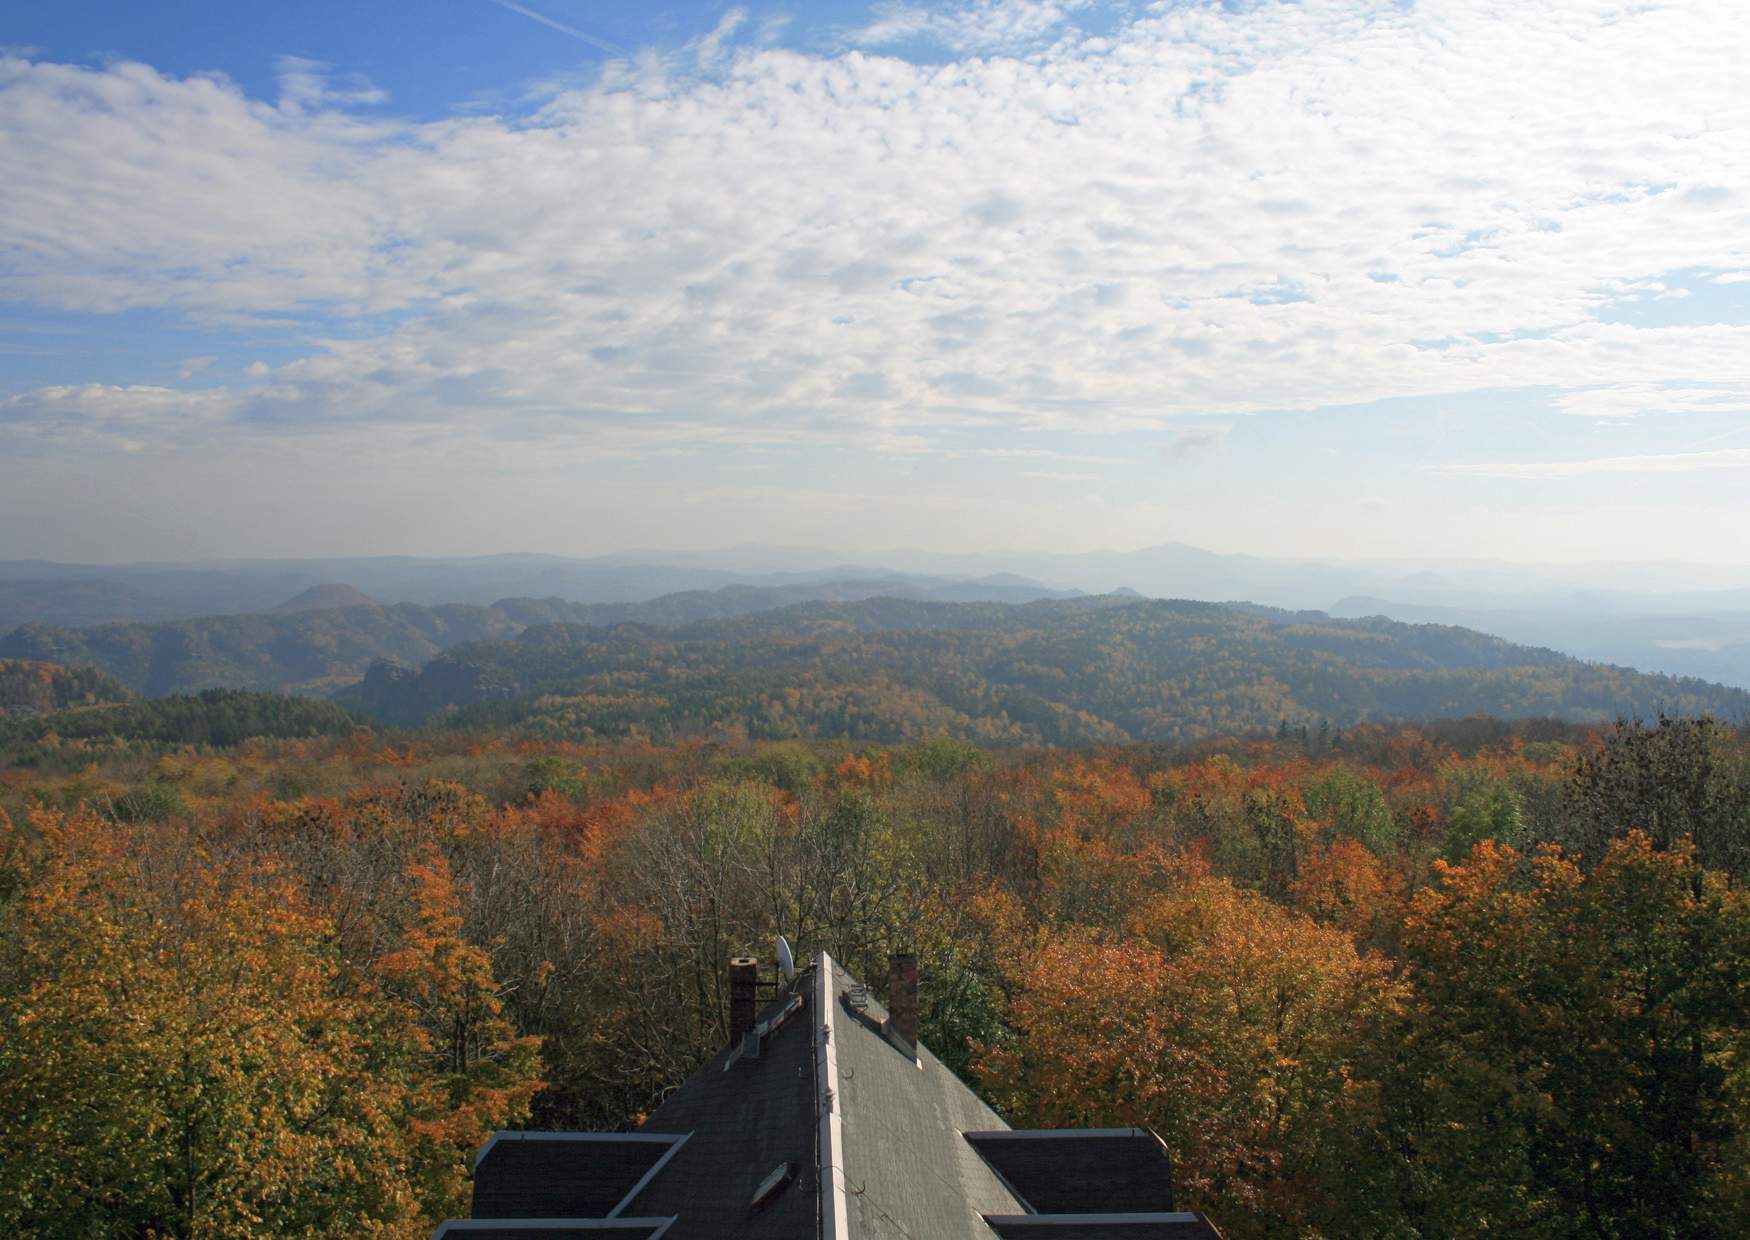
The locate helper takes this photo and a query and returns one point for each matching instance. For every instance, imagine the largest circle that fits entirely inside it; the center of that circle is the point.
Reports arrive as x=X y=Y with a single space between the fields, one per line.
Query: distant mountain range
x=1095 y=670
x=77 y=601
x=878 y=659
x=1176 y=570
x=78 y=595
x=1682 y=619
x=302 y=646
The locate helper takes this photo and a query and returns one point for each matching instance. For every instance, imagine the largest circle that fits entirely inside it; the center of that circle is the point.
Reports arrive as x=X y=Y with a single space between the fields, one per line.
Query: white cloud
x=1059 y=475
x=1192 y=442
x=307 y=85
x=1659 y=463
x=1214 y=210
x=710 y=49
x=976 y=27
x=1038 y=454
x=120 y=188
x=128 y=418
x=1633 y=399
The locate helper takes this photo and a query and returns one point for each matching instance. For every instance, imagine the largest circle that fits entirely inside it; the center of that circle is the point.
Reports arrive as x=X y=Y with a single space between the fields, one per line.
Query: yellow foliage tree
x=186 y=1061
x=478 y=1075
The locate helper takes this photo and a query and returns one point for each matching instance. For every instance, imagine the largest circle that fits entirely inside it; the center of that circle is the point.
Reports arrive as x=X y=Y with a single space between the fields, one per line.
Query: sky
x=1336 y=279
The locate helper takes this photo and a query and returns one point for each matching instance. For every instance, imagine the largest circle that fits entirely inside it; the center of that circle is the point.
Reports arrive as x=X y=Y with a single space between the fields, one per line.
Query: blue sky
x=1340 y=278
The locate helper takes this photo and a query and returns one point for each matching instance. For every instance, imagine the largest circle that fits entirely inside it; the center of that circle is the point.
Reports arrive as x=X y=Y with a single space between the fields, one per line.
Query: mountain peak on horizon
x=327 y=596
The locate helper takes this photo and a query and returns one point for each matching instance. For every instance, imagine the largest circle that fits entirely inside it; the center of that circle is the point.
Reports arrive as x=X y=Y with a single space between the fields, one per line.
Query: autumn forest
x=265 y=970
x=1004 y=618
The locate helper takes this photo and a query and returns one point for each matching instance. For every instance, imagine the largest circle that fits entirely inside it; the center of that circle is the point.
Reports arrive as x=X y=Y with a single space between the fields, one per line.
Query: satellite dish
x=786 y=961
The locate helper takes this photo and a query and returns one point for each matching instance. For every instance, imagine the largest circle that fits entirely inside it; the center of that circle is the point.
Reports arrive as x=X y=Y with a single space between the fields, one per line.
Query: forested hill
x=215 y=717
x=1055 y=672
x=28 y=687
x=308 y=651
x=319 y=650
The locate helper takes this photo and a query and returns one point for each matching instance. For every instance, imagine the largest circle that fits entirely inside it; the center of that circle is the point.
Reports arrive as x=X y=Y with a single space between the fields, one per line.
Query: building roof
x=1053 y=1170
x=824 y=1121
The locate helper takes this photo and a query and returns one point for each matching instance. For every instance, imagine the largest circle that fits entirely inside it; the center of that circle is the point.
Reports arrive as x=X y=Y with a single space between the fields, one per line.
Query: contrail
x=561 y=27
x=1716 y=438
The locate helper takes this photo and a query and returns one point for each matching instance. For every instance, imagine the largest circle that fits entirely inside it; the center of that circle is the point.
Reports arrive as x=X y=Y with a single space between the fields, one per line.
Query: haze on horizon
x=1343 y=279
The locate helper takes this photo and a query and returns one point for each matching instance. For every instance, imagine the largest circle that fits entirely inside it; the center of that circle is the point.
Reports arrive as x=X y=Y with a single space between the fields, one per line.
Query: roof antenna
x=786 y=961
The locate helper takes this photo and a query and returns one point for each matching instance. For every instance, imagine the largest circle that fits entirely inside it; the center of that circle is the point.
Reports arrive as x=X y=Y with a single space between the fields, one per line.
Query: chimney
x=902 y=999
x=744 y=972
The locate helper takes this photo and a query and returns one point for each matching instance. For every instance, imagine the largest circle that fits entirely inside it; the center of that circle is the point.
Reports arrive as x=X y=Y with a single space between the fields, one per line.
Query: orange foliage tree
x=1238 y=1030
x=1345 y=885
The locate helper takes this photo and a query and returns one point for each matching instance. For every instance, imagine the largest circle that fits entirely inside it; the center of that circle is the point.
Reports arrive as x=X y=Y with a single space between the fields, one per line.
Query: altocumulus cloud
x=982 y=26
x=1213 y=210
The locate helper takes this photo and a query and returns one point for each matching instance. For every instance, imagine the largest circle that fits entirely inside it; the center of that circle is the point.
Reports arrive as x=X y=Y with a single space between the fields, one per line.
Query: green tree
x=1668 y=781
x=1350 y=804
x=1573 y=1055
x=1491 y=811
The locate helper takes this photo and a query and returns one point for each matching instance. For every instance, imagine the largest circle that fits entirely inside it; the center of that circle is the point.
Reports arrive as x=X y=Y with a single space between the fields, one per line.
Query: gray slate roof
x=907 y=1172
x=747 y=1116
x=824 y=1123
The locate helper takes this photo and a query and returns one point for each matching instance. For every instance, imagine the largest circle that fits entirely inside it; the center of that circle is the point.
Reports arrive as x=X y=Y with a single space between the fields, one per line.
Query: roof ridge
x=834 y=1208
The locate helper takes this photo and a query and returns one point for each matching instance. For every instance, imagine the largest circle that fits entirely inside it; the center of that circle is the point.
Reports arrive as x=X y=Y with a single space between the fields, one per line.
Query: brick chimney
x=902 y=999
x=744 y=972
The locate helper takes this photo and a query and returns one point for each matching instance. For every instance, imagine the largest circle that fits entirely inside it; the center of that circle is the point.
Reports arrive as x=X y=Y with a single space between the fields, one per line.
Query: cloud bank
x=1213 y=209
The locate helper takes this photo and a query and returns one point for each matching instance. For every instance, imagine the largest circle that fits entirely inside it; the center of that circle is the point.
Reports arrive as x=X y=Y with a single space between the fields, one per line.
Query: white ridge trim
x=834 y=1204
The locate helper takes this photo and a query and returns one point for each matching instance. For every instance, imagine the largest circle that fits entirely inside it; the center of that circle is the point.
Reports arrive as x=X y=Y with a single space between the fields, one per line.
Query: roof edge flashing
x=1032 y=1134
x=657 y=1226
x=1065 y=1220
x=518 y=1134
